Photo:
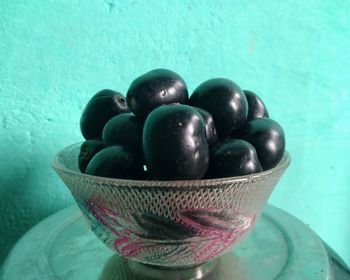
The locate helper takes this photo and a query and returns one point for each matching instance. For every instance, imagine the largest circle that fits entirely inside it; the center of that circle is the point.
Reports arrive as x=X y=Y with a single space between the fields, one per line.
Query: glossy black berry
x=256 y=107
x=233 y=157
x=116 y=162
x=155 y=88
x=210 y=129
x=175 y=144
x=225 y=101
x=268 y=138
x=124 y=129
x=102 y=106
x=87 y=150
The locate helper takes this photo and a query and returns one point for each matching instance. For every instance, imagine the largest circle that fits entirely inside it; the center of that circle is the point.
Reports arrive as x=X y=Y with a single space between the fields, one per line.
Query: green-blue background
x=54 y=55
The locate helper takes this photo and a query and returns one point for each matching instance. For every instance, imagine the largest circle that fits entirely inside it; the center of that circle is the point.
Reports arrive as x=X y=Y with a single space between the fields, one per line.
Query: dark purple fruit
x=102 y=106
x=256 y=107
x=125 y=130
x=174 y=143
x=210 y=129
x=87 y=150
x=116 y=162
x=267 y=136
x=233 y=157
x=155 y=88
x=225 y=101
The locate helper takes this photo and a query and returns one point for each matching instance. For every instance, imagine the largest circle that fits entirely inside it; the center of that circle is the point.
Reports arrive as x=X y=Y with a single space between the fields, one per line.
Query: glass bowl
x=168 y=223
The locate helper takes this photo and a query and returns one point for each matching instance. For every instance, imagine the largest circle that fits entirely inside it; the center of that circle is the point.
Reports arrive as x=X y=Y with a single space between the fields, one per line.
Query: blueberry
x=155 y=88
x=102 y=106
x=233 y=157
x=256 y=107
x=225 y=101
x=174 y=143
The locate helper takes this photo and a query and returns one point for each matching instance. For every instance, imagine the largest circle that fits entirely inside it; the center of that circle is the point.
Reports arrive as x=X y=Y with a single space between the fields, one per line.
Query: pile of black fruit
x=158 y=132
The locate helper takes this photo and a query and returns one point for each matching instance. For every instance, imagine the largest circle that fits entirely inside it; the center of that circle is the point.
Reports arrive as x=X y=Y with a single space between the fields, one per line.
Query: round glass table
x=279 y=247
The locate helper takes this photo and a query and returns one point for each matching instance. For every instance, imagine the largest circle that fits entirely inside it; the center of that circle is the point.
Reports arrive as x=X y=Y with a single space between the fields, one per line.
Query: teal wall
x=54 y=55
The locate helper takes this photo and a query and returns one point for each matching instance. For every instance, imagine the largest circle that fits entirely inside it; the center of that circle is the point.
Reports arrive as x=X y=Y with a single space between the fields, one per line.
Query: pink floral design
x=219 y=228
x=127 y=242
x=209 y=233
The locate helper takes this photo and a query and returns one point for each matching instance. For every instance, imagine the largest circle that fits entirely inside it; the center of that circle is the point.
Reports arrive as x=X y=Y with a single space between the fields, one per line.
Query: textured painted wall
x=54 y=55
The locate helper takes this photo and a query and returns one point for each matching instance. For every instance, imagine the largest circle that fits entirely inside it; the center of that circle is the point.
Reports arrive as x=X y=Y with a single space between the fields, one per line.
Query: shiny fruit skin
x=225 y=101
x=233 y=157
x=268 y=138
x=155 y=88
x=210 y=129
x=174 y=143
x=124 y=129
x=116 y=162
x=102 y=106
x=87 y=150
x=256 y=107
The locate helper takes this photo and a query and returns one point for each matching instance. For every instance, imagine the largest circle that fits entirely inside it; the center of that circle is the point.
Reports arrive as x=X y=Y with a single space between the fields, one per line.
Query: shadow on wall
x=24 y=198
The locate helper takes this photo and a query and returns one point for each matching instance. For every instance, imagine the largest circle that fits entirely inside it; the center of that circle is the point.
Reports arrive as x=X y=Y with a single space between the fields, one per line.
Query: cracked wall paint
x=54 y=55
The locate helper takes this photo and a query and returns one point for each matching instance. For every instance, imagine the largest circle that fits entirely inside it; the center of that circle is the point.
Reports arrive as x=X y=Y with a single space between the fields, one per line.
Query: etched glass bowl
x=168 y=223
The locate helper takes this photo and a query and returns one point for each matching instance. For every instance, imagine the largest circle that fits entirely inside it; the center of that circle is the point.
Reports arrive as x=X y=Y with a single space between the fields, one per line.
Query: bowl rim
x=60 y=168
